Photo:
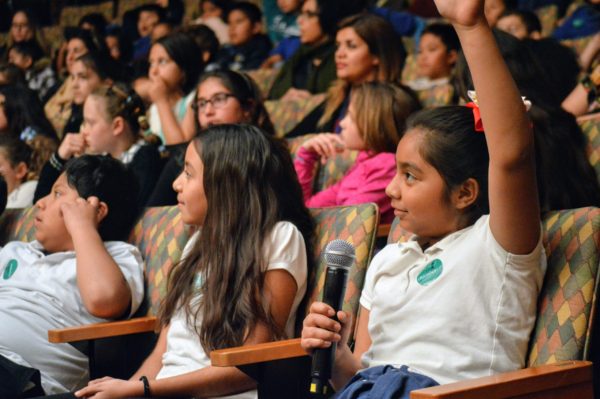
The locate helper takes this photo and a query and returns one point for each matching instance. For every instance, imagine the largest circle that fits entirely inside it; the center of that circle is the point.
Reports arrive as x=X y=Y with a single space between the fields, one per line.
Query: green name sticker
x=431 y=272
x=11 y=268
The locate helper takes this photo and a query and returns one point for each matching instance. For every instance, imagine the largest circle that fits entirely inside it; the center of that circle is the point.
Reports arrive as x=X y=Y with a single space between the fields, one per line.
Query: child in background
x=22 y=114
x=282 y=26
x=414 y=291
x=149 y=15
x=112 y=118
x=248 y=46
x=17 y=169
x=11 y=74
x=521 y=24
x=438 y=52
x=213 y=13
x=239 y=282
x=375 y=134
x=39 y=74
x=77 y=271
x=175 y=64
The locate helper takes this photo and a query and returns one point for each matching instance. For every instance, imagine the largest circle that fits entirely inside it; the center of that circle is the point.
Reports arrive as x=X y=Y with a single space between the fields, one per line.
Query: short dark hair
x=184 y=51
x=446 y=33
x=205 y=39
x=250 y=10
x=29 y=48
x=114 y=184
x=102 y=64
x=530 y=19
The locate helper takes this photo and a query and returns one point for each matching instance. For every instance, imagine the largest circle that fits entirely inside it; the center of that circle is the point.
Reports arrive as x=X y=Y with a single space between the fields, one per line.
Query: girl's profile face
x=13 y=175
x=216 y=105
x=85 y=80
x=75 y=49
x=163 y=67
x=353 y=60
x=311 y=31
x=112 y=43
x=189 y=186
x=353 y=139
x=418 y=193
x=434 y=60
x=97 y=129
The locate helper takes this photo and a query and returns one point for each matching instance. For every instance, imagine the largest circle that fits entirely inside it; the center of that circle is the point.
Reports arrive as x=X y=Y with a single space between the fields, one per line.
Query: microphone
x=339 y=257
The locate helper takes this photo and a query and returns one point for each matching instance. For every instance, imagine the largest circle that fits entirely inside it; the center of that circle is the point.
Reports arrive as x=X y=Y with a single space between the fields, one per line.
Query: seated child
x=248 y=47
x=375 y=134
x=458 y=300
x=39 y=74
x=76 y=271
x=239 y=282
x=282 y=26
x=212 y=14
x=438 y=52
x=521 y=24
x=15 y=168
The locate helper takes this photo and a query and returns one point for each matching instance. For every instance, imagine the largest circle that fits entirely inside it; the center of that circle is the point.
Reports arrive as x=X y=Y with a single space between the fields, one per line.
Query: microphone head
x=339 y=253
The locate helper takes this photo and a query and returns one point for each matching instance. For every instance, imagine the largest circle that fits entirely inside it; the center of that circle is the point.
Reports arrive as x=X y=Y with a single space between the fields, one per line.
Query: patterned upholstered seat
x=70 y=15
x=591 y=130
x=286 y=114
x=566 y=304
x=436 y=96
x=548 y=16
x=264 y=79
x=17 y=225
x=161 y=236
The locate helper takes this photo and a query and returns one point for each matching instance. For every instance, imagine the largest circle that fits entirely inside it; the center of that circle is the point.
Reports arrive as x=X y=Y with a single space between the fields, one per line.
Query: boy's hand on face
x=81 y=214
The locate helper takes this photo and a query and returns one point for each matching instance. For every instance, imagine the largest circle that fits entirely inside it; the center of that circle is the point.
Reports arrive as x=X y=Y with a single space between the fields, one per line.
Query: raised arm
x=514 y=207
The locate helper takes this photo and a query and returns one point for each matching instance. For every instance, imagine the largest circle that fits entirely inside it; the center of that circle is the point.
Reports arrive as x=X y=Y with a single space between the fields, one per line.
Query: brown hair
x=380 y=37
x=389 y=106
x=121 y=101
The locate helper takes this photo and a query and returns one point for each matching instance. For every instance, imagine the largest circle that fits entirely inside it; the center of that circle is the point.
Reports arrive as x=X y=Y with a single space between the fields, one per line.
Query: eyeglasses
x=308 y=14
x=217 y=101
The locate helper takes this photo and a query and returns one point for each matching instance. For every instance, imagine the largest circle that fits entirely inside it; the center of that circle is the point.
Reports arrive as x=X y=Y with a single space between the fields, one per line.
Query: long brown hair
x=389 y=106
x=383 y=42
x=250 y=185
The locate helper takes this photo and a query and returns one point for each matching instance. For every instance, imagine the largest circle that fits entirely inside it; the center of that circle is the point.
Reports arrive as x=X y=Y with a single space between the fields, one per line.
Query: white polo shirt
x=39 y=292
x=463 y=308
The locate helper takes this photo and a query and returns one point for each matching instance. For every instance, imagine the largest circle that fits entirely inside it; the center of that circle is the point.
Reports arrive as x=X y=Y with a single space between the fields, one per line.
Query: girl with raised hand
x=175 y=64
x=452 y=168
x=113 y=120
x=375 y=134
x=241 y=280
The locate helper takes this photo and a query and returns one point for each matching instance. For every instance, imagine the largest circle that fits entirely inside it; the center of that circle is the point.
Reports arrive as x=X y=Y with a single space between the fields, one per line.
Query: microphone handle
x=323 y=359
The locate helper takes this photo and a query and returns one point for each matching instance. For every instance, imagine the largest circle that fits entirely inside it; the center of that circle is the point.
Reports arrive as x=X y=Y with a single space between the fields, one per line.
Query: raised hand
x=82 y=214
x=463 y=13
x=73 y=145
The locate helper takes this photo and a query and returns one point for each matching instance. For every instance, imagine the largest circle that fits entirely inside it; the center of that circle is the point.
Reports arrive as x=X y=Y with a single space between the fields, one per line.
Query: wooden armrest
x=525 y=383
x=258 y=353
x=383 y=230
x=102 y=330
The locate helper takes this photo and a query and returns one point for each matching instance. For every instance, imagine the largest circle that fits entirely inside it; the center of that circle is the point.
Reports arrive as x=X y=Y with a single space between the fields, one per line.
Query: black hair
x=565 y=176
x=530 y=19
x=250 y=10
x=205 y=39
x=102 y=64
x=446 y=33
x=23 y=109
x=453 y=147
x=97 y=21
x=29 y=48
x=331 y=12
x=185 y=53
x=13 y=74
x=125 y=46
x=155 y=8
x=89 y=39
x=16 y=150
x=114 y=184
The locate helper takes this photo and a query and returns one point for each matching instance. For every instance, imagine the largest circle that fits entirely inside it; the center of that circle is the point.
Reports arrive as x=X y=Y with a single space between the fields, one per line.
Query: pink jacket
x=364 y=182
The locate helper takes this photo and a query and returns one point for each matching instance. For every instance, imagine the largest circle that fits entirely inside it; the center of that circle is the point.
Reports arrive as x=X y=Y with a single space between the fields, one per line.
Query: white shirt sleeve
x=129 y=260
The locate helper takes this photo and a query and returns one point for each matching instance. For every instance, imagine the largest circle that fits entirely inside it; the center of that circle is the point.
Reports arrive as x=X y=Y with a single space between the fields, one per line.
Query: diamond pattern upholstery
x=591 y=130
x=356 y=224
x=437 y=96
x=286 y=114
x=161 y=236
x=70 y=15
x=566 y=305
x=264 y=79
x=17 y=225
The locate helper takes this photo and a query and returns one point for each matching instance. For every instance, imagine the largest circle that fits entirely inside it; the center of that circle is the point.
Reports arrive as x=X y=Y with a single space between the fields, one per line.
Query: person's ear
x=466 y=194
x=118 y=125
x=452 y=57
x=28 y=62
x=257 y=28
x=102 y=211
x=205 y=56
x=21 y=171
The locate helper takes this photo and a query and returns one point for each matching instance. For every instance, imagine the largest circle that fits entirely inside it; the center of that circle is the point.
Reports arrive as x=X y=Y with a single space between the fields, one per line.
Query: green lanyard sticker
x=431 y=272
x=11 y=268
